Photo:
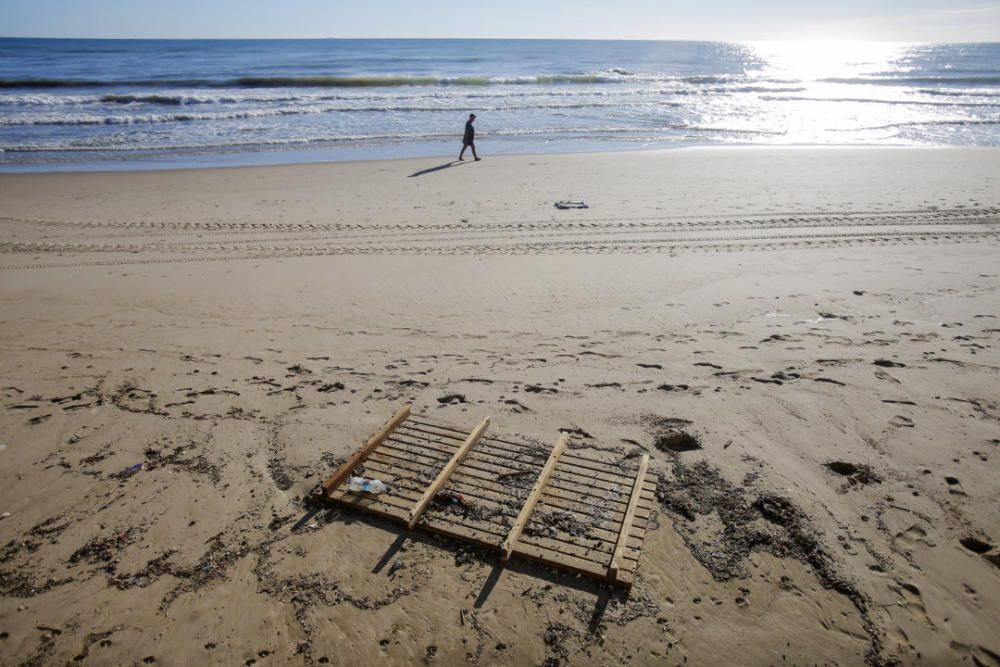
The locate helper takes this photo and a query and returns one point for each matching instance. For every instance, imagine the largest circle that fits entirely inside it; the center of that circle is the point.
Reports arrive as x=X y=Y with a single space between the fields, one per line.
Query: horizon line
x=495 y=39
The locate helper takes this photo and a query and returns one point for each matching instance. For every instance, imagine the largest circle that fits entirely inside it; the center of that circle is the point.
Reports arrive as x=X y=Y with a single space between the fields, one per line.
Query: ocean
x=107 y=104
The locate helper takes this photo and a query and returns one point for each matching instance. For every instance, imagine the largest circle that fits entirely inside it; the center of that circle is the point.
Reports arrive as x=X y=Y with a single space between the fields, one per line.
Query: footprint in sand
x=954 y=486
x=899 y=421
x=516 y=405
x=913 y=537
x=970 y=592
x=913 y=602
x=882 y=375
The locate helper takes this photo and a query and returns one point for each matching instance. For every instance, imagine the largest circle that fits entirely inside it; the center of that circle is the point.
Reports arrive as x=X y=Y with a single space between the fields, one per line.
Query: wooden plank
x=388 y=463
x=569 y=563
x=633 y=503
x=343 y=471
x=445 y=473
x=599 y=465
x=529 y=505
x=490 y=496
x=603 y=472
x=614 y=505
x=466 y=534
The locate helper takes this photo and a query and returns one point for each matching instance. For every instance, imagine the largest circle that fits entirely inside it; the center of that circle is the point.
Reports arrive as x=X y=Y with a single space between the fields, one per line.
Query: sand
x=826 y=323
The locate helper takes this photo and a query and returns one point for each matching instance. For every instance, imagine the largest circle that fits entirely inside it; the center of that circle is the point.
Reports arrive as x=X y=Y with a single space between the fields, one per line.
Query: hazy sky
x=894 y=20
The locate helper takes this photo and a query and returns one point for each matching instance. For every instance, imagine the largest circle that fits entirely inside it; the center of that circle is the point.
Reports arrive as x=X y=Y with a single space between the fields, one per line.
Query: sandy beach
x=824 y=322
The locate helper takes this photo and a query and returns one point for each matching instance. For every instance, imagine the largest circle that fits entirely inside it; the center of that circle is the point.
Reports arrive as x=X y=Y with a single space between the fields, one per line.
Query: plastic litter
x=570 y=204
x=372 y=486
x=133 y=468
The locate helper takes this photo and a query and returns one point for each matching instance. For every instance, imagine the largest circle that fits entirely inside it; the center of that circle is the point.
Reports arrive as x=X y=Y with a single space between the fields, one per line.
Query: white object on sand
x=372 y=486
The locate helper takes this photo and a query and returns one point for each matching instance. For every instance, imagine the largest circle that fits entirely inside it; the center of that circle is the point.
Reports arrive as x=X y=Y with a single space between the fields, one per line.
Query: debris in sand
x=564 y=205
x=106 y=550
x=555 y=637
x=856 y=473
x=975 y=545
x=515 y=473
x=128 y=472
x=676 y=441
x=366 y=485
x=551 y=524
x=700 y=489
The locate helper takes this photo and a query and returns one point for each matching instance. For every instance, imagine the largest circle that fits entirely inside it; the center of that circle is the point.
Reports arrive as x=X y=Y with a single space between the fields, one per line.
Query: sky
x=731 y=20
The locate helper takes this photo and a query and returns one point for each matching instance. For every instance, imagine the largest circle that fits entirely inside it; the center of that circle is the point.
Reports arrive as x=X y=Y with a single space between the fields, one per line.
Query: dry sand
x=826 y=322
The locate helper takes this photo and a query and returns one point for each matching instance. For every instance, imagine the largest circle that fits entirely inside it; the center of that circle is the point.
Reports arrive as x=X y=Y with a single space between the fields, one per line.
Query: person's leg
x=462 y=152
x=474 y=152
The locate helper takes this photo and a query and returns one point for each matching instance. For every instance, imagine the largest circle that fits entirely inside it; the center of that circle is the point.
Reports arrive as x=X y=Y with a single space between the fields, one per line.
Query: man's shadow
x=431 y=170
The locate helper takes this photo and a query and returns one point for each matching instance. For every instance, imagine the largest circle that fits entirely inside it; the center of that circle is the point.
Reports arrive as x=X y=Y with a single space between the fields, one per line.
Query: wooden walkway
x=556 y=506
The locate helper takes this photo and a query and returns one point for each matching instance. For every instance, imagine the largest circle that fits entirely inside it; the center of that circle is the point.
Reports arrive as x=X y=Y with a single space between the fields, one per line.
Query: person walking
x=469 y=139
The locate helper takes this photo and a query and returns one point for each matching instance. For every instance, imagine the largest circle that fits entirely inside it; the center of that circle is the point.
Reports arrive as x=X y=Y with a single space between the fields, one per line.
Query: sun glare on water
x=810 y=60
x=815 y=91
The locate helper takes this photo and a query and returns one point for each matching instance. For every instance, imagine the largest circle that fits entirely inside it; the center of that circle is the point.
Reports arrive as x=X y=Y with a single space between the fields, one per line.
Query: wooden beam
x=445 y=473
x=331 y=484
x=626 y=528
x=536 y=492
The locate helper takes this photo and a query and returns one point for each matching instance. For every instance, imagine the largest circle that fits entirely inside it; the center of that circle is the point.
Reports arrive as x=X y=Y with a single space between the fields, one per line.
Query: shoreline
x=164 y=164
x=424 y=191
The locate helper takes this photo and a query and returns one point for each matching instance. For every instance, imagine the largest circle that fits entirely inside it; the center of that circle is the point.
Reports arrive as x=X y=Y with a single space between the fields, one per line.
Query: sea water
x=67 y=103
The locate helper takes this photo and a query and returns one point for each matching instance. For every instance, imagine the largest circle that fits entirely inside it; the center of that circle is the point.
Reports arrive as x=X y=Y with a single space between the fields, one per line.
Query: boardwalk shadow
x=440 y=167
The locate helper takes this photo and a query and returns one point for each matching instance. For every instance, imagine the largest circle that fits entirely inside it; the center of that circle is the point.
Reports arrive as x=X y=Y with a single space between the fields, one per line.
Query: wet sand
x=824 y=323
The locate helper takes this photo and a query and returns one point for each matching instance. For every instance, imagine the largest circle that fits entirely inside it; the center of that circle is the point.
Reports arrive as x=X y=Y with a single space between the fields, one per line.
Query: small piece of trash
x=3 y=447
x=570 y=204
x=4 y=515
x=313 y=526
x=134 y=467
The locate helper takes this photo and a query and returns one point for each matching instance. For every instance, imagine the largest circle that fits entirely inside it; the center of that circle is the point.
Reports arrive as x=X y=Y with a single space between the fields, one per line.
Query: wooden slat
x=416 y=429
x=489 y=495
x=633 y=503
x=471 y=480
x=529 y=505
x=458 y=433
x=614 y=505
x=343 y=471
x=494 y=464
x=445 y=473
